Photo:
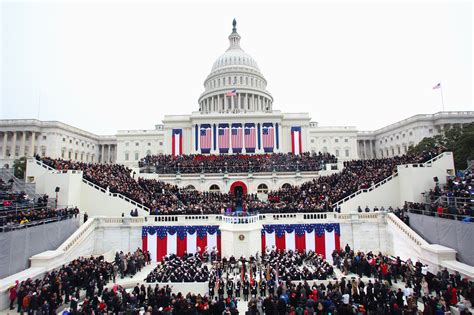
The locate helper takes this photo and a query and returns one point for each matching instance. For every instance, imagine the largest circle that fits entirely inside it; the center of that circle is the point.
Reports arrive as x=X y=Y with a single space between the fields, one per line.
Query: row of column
x=366 y=150
x=14 y=139
x=106 y=153
x=239 y=102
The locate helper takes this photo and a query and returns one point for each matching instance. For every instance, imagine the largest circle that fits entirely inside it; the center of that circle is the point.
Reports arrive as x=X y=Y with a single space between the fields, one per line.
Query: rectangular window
x=347 y=153
x=126 y=156
x=337 y=152
x=136 y=156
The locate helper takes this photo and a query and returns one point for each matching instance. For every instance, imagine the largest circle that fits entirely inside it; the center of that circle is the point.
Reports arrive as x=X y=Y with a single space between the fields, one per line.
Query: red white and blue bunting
x=164 y=240
x=320 y=238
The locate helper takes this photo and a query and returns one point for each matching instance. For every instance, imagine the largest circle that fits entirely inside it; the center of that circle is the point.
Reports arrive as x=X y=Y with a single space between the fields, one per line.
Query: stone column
x=32 y=149
x=4 y=146
x=13 y=150
x=371 y=150
x=108 y=153
x=102 y=160
x=23 y=142
x=364 y=150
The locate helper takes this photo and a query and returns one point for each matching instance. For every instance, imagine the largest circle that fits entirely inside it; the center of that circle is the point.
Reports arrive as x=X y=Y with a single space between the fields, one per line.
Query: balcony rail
x=228 y=219
x=405 y=230
x=452 y=216
x=116 y=195
x=195 y=170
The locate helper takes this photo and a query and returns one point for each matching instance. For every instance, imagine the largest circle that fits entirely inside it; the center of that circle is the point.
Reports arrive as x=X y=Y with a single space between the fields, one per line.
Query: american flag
x=437 y=86
x=268 y=135
x=206 y=137
x=249 y=136
x=236 y=137
x=231 y=93
x=223 y=136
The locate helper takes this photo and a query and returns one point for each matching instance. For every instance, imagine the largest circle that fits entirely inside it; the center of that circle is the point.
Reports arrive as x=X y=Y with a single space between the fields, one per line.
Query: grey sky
x=104 y=67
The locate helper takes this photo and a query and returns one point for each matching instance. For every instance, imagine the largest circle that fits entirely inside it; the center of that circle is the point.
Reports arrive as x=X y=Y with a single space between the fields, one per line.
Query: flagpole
x=442 y=98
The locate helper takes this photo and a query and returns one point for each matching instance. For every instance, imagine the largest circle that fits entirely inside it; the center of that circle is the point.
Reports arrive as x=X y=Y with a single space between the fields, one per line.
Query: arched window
x=190 y=187
x=214 y=188
x=286 y=186
x=262 y=189
x=148 y=152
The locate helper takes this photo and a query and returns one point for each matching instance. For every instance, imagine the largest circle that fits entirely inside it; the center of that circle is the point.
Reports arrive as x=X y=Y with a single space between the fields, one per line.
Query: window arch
x=214 y=188
x=286 y=186
x=190 y=187
x=262 y=189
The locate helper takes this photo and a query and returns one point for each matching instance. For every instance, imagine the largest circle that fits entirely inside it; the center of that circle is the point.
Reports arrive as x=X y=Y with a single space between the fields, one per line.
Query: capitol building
x=131 y=216
x=235 y=115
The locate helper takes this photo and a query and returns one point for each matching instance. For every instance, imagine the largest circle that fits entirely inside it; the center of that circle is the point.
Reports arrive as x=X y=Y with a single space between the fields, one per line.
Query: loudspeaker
x=57 y=189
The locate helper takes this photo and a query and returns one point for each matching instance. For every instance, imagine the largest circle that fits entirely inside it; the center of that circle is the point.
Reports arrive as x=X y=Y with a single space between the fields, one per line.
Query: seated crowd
x=320 y=193
x=236 y=163
x=189 y=268
x=313 y=196
x=15 y=219
x=454 y=200
x=18 y=210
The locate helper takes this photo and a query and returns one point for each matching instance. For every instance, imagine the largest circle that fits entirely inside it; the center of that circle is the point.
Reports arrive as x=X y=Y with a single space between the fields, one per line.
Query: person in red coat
x=454 y=295
x=13 y=293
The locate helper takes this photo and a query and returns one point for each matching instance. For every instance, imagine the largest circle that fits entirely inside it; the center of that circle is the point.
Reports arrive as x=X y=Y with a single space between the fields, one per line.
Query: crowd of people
x=189 y=268
x=44 y=295
x=277 y=282
x=157 y=300
x=454 y=200
x=235 y=163
x=321 y=193
x=15 y=219
x=317 y=195
x=128 y=264
x=17 y=210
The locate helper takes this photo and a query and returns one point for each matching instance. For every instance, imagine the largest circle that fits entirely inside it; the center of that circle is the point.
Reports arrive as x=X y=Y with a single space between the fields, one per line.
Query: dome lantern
x=234 y=37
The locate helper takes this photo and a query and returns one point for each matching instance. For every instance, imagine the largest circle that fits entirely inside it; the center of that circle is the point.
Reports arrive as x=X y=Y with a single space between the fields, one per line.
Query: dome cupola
x=235 y=83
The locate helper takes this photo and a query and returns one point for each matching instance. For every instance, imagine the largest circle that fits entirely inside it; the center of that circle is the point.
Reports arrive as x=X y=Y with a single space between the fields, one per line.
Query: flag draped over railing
x=165 y=240
x=320 y=238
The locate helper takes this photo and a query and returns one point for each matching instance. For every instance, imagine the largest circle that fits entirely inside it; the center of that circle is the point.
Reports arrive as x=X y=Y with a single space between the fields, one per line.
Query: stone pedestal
x=241 y=236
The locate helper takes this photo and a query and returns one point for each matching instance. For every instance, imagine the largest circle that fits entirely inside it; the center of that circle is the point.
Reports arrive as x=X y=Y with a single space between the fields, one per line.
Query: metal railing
x=443 y=215
x=19 y=226
x=193 y=170
x=116 y=195
x=91 y=184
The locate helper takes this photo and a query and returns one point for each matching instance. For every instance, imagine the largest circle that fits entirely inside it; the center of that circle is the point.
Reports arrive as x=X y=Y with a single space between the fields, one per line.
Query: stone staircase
x=19 y=185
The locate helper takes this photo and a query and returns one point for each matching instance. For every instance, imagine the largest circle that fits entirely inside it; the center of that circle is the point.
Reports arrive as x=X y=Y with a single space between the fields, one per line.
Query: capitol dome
x=235 y=84
x=235 y=57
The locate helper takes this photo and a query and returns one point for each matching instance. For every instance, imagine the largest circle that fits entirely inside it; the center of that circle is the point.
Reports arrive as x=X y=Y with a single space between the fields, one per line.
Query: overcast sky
x=105 y=67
